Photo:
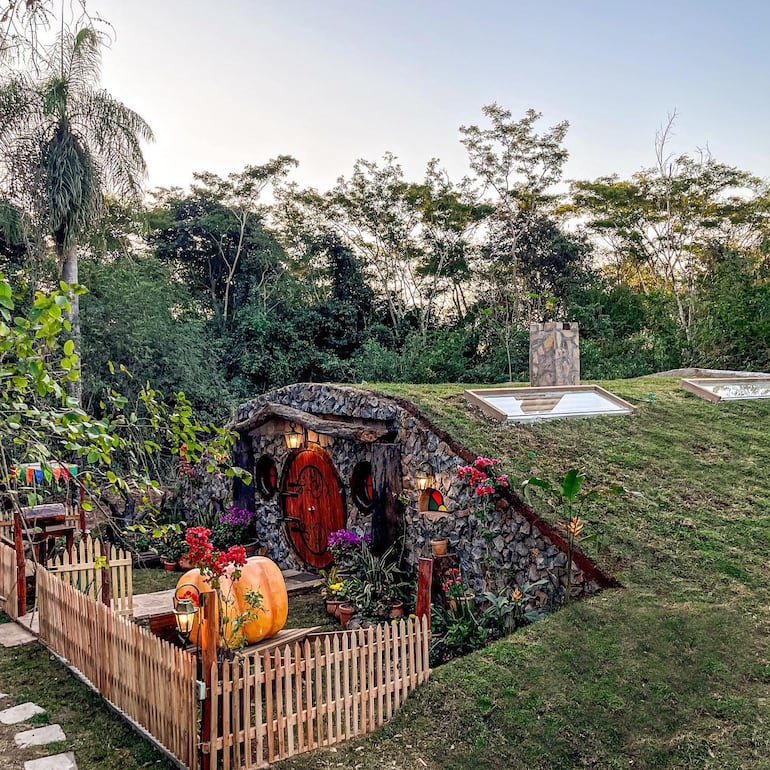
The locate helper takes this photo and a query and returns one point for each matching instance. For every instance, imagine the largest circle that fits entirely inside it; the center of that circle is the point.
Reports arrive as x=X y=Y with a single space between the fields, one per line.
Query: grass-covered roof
x=673 y=670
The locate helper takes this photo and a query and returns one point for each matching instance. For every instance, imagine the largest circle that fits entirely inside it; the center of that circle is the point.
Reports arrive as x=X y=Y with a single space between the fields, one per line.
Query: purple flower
x=347 y=540
x=236 y=517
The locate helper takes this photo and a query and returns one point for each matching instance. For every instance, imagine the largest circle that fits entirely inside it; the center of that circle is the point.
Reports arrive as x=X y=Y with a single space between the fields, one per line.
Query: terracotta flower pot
x=439 y=547
x=332 y=606
x=397 y=610
x=346 y=612
x=168 y=564
x=252 y=549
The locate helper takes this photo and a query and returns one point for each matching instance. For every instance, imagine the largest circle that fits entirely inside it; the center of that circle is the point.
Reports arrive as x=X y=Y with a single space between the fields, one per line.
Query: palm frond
x=63 y=141
x=114 y=132
x=72 y=183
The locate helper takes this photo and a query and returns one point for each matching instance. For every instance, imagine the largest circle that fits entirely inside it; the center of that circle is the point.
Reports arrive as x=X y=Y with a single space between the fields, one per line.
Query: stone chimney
x=554 y=354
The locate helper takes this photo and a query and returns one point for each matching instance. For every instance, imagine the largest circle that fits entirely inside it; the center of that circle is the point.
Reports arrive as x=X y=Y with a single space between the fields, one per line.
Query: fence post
x=21 y=566
x=106 y=584
x=207 y=640
x=424 y=583
x=81 y=509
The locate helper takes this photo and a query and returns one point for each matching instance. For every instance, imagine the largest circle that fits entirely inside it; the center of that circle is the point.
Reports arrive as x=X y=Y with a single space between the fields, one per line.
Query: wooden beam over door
x=367 y=431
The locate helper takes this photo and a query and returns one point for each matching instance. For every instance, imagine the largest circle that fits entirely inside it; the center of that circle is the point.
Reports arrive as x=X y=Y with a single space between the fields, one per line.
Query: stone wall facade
x=554 y=354
x=511 y=550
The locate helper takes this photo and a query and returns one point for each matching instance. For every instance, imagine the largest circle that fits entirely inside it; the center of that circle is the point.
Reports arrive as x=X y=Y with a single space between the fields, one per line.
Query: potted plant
x=345 y=612
x=348 y=549
x=377 y=587
x=393 y=601
x=439 y=542
x=171 y=552
x=236 y=526
x=458 y=595
x=164 y=539
x=331 y=589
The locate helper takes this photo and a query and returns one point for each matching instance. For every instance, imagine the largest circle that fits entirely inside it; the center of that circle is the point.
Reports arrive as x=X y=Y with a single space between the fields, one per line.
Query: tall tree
x=238 y=196
x=411 y=239
x=20 y=26
x=215 y=238
x=658 y=225
x=64 y=142
x=518 y=168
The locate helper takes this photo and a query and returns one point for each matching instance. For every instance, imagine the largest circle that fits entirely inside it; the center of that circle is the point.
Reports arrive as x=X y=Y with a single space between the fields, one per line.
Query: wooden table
x=48 y=521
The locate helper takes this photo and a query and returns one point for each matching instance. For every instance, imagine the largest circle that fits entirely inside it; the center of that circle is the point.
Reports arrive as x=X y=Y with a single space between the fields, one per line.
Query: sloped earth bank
x=673 y=671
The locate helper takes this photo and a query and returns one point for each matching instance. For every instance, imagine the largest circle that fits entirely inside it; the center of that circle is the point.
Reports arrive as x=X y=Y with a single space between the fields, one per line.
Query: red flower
x=211 y=562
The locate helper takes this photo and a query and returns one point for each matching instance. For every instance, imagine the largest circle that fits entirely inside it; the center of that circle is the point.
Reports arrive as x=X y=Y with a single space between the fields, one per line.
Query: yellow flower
x=336 y=587
x=575 y=527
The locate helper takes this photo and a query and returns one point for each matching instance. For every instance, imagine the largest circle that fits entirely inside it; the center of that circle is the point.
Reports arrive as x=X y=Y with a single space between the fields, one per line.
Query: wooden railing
x=85 y=568
x=8 y=581
x=280 y=702
x=148 y=679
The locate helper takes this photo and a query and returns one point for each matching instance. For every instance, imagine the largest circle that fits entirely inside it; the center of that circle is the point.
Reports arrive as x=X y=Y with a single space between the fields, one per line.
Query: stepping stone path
x=56 y=762
x=40 y=736
x=37 y=736
x=13 y=635
x=20 y=713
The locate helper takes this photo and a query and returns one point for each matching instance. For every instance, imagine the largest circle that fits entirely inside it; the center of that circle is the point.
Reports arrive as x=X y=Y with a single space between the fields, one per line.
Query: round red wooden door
x=313 y=505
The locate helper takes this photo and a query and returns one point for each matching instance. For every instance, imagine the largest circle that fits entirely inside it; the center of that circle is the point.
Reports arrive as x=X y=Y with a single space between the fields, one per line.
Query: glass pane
x=529 y=405
x=730 y=390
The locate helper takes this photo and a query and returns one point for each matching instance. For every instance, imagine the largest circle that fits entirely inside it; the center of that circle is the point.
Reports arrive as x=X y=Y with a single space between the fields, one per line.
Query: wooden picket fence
x=148 y=679
x=84 y=568
x=276 y=703
x=8 y=584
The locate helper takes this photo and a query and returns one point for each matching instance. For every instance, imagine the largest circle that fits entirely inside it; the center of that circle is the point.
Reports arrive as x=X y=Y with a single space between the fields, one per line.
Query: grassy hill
x=673 y=670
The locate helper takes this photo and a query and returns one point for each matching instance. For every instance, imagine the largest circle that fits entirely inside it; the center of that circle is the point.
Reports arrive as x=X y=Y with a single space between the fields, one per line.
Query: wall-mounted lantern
x=424 y=477
x=294 y=438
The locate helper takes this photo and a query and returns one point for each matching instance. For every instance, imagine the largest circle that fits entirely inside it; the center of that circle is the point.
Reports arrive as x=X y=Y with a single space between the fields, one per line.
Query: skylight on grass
x=547 y=403
x=729 y=388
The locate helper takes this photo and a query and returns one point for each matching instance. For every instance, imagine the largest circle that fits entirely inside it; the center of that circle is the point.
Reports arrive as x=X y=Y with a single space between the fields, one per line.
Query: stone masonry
x=554 y=354
x=510 y=549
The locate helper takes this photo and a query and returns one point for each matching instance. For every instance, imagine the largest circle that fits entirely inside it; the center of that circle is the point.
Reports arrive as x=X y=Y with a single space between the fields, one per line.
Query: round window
x=362 y=486
x=266 y=476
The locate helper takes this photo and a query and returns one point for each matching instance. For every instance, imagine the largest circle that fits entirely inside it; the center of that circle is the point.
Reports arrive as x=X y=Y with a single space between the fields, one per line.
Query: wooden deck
x=282 y=638
x=148 y=606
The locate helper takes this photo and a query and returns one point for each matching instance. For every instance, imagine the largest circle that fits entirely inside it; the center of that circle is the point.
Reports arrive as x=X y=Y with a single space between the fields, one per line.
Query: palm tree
x=64 y=143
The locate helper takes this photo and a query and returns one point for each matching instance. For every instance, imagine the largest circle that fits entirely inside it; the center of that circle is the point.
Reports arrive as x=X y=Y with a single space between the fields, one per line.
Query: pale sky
x=233 y=82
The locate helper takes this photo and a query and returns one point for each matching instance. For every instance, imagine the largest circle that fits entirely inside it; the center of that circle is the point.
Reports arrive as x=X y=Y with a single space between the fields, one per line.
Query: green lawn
x=99 y=738
x=147 y=580
x=673 y=670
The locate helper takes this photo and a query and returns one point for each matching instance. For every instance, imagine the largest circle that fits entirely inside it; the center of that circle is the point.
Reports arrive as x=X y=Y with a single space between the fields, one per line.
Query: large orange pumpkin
x=258 y=574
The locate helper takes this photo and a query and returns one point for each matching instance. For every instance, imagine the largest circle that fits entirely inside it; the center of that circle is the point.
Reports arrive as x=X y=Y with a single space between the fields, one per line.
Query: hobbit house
x=326 y=457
